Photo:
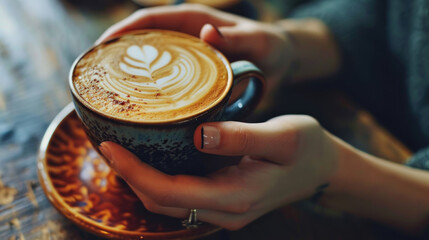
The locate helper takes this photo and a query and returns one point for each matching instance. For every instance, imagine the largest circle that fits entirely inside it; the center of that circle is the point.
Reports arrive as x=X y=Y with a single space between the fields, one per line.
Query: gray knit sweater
x=385 y=49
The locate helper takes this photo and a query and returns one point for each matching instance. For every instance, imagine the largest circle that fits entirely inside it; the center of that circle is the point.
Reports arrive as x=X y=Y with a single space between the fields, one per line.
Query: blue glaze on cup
x=167 y=147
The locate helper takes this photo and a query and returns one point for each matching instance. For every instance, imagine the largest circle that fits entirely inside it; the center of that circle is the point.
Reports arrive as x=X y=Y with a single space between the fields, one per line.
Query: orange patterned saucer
x=84 y=189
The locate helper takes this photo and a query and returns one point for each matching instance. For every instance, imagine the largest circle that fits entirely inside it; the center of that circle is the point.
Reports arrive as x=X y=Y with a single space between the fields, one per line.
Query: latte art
x=180 y=87
x=141 y=59
x=152 y=77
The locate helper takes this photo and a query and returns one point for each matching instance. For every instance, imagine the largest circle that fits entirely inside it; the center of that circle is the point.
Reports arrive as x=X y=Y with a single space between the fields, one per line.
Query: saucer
x=85 y=190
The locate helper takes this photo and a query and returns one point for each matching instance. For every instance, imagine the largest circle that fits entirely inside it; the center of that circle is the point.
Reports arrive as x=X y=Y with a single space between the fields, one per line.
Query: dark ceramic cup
x=168 y=146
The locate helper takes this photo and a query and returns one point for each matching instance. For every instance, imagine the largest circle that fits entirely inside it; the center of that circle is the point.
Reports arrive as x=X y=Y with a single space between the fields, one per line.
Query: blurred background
x=40 y=39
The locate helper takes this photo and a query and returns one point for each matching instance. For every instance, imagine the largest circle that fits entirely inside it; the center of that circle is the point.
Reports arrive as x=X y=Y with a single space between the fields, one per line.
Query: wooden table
x=38 y=42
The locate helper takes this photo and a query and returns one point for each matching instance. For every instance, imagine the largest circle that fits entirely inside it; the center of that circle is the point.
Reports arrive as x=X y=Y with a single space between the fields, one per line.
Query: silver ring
x=192 y=221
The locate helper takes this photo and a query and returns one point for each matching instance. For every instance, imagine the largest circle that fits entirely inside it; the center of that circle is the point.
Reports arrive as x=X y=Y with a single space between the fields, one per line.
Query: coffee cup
x=148 y=90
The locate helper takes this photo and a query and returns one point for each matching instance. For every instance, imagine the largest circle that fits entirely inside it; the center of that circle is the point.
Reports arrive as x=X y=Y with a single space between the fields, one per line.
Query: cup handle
x=251 y=96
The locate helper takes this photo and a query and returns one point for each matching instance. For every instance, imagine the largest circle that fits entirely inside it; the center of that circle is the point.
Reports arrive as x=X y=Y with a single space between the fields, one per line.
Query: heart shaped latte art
x=139 y=60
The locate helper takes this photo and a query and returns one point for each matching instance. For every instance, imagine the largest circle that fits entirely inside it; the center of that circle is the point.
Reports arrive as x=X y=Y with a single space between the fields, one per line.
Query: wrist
x=365 y=185
x=347 y=159
x=333 y=156
x=354 y=173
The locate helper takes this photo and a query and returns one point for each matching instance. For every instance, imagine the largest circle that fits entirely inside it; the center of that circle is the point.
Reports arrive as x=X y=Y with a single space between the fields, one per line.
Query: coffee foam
x=153 y=76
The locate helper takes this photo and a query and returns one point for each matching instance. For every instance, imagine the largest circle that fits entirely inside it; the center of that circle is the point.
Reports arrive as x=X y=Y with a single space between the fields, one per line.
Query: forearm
x=316 y=54
x=380 y=190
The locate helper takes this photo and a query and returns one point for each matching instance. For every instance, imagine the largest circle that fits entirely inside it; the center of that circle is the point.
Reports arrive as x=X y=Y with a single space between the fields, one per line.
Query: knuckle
x=296 y=124
x=308 y=126
x=151 y=206
x=300 y=131
x=309 y=119
x=292 y=131
x=244 y=139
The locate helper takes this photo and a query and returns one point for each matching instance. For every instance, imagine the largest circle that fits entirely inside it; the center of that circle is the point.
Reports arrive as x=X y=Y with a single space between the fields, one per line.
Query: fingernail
x=217 y=30
x=210 y=137
x=105 y=150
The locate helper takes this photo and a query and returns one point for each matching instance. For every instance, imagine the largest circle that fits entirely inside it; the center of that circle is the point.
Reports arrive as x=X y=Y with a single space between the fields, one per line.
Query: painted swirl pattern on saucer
x=152 y=76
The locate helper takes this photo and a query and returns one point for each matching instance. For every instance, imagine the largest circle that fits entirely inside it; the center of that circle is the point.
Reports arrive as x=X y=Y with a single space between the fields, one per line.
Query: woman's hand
x=285 y=160
x=266 y=45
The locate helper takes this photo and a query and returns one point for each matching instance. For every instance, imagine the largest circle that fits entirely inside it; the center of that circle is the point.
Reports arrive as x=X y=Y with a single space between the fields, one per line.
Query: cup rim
x=187 y=118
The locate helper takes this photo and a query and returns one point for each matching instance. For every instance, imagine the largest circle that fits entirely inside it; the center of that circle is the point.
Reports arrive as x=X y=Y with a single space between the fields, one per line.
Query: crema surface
x=152 y=76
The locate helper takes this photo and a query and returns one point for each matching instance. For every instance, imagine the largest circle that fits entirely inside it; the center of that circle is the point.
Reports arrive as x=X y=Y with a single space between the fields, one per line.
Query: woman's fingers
x=237 y=37
x=181 y=191
x=211 y=34
x=233 y=41
x=231 y=221
x=154 y=207
x=187 y=18
x=275 y=141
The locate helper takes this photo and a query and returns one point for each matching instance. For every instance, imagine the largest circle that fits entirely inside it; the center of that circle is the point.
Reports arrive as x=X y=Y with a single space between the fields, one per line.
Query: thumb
x=273 y=140
x=230 y=40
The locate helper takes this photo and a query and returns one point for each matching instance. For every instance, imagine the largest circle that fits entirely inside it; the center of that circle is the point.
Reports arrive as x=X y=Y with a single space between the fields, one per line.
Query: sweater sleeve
x=420 y=159
x=358 y=26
